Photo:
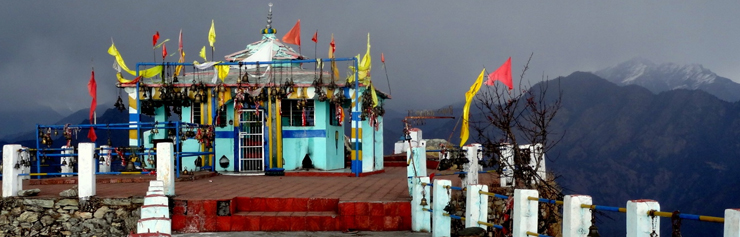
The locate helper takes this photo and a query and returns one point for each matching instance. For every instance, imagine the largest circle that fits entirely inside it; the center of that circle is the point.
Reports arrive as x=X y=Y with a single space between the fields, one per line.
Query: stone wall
x=69 y=217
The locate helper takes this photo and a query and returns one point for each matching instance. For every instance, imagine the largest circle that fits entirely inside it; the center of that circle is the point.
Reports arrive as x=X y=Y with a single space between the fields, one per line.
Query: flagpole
x=388 y=80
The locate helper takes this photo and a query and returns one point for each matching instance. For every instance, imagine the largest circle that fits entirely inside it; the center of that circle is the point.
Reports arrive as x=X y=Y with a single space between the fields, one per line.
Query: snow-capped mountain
x=670 y=76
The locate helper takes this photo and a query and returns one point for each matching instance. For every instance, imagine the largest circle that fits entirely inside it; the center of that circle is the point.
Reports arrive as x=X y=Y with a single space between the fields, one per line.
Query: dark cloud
x=434 y=49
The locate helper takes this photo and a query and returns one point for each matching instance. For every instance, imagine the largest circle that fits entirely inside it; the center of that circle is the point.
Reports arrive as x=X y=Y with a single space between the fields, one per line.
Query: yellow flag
x=181 y=60
x=464 y=133
x=374 y=95
x=212 y=35
x=223 y=71
x=156 y=70
x=113 y=51
x=203 y=54
x=363 y=71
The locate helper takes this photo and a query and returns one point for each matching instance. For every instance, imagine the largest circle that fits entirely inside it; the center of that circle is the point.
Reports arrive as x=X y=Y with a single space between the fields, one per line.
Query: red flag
x=382 y=58
x=180 y=46
x=333 y=46
x=164 y=51
x=315 y=38
x=294 y=35
x=155 y=38
x=92 y=88
x=502 y=74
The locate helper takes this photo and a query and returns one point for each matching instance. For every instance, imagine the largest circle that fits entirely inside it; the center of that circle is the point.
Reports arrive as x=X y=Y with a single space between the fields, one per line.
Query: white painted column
x=732 y=223
x=576 y=220
x=11 y=181
x=639 y=224
x=525 y=212
x=417 y=159
x=104 y=166
x=86 y=168
x=472 y=167
x=420 y=219
x=66 y=161
x=507 y=176
x=165 y=167
x=476 y=206
x=25 y=169
x=441 y=223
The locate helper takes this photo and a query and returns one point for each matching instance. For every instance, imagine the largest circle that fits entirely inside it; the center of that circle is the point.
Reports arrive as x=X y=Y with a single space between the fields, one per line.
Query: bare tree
x=513 y=118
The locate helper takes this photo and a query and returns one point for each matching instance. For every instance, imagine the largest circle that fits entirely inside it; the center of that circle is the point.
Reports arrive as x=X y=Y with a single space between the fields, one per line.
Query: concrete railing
x=86 y=175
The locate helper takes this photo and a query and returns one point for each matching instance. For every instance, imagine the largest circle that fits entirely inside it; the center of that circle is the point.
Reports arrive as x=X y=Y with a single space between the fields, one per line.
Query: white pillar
x=11 y=182
x=25 y=169
x=525 y=212
x=639 y=223
x=104 y=166
x=732 y=223
x=576 y=220
x=476 y=206
x=507 y=157
x=165 y=167
x=420 y=219
x=472 y=167
x=86 y=168
x=417 y=159
x=66 y=167
x=441 y=223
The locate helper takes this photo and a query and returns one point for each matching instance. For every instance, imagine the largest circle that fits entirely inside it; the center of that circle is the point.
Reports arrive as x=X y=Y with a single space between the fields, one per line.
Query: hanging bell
x=198 y=161
x=424 y=201
x=221 y=88
x=56 y=132
x=64 y=162
x=198 y=98
x=174 y=80
x=17 y=165
x=593 y=231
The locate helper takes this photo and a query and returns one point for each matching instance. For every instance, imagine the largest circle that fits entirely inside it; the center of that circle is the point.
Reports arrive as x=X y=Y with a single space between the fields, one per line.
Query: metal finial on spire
x=269 y=16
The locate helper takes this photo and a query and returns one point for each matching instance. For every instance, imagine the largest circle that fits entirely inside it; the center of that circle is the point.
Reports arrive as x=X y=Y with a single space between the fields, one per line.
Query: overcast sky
x=433 y=49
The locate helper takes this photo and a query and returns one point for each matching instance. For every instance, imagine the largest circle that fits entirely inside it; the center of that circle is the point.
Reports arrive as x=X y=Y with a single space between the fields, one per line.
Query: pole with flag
x=382 y=59
x=315 y=40
x=464 y=130
x=155 y=38
x=294 y=35
x=92 y=88
x=212 y=37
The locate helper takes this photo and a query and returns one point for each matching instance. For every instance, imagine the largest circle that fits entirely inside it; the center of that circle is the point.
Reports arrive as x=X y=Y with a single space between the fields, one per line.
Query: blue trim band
x=224 y=134
x=304 y=133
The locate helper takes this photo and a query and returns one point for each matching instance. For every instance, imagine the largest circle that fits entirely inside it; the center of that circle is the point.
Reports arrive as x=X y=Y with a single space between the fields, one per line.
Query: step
x=286 y=221
x=262 y=204
x=154 y=225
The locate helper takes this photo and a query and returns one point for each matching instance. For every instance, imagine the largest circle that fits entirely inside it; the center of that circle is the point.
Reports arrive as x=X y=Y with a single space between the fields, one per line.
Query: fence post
x=441 y=224
x=472 y=167
x=476 y=206
x=86 y=174
x=420 y=219
x=104 y=166
x=11 y=181
x=525 y=212
x=507 y=157
x=732 y=223
x=66 y=161
x=416 y=157
x=25 y=169
x=576 y=220
x=165 y=169
x=639 y=223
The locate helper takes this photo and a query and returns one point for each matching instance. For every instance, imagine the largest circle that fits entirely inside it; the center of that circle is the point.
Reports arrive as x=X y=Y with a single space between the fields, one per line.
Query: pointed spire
x=268 y=29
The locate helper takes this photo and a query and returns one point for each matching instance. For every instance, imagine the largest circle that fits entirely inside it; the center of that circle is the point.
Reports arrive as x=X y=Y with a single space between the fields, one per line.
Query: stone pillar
x=165 y=167
x=732 y=223
x=11 y=181
x=66 y=161
x=441 y=223
x=104 y=166
x=86 y=174
x=472 y=167
x=576 y=220
x=639 y=223
x=420 y=219
x=476 y=206
x=525 y=212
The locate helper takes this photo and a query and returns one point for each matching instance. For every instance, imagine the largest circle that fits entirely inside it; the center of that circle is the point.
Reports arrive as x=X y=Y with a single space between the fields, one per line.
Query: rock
x=84 y=215
x=4 y=220
x=47 y=220
x=69 y=193
x=100 y=213
x=137 y=200
x=66 y=232
x=39 y=202
x=121 y=212
x=68 y=202
x=63 y=218
x=71 y=208
x=16 y=211
x=29 y=192
x=28 y=217
x=116 y=202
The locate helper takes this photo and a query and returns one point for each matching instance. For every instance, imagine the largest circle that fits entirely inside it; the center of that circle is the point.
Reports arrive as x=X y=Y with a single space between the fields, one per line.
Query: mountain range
x=670 y=76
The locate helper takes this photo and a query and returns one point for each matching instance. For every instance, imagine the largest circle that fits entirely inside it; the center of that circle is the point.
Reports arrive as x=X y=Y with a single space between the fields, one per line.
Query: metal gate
x=251 y=141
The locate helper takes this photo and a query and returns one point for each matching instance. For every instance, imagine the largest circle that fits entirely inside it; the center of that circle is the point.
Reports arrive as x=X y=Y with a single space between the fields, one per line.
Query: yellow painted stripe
x=353 y=135
x=131 y=102
x=279 y=128
x=37 y=174
x=353 y=154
